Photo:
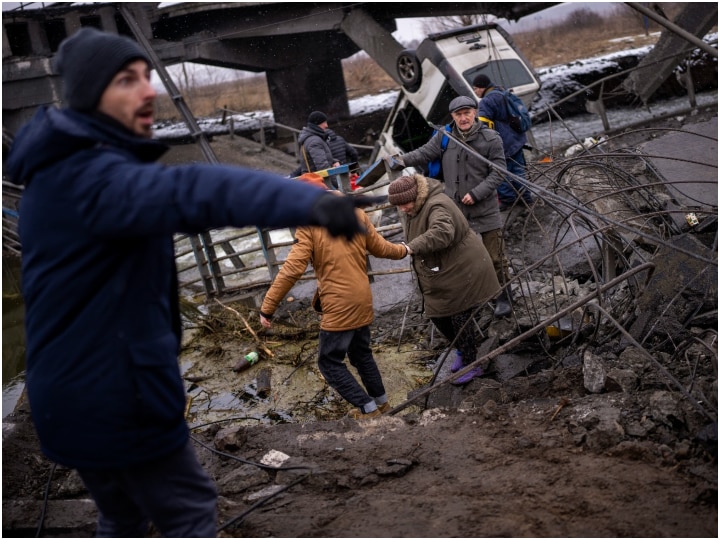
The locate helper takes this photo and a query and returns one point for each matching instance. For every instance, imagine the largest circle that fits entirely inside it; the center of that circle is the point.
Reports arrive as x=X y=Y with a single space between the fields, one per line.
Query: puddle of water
x=298 y=391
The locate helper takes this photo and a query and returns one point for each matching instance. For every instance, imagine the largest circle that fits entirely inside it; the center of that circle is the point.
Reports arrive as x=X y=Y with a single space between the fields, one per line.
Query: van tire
x=408 y=69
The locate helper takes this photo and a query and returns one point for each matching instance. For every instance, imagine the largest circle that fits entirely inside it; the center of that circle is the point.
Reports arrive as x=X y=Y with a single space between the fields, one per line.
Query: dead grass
x=244 y=95
x=583 y=34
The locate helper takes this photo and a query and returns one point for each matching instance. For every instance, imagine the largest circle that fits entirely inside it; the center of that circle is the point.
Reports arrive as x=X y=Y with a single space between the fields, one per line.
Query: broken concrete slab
x=688 y=161
x=507 y=366
x=680 y=286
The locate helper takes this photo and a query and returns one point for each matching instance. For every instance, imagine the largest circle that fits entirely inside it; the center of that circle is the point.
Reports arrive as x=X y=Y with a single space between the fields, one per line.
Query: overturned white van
x=440 y=69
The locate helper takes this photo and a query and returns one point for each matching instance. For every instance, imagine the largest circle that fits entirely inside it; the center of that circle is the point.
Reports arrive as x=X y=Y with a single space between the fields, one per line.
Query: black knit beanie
x=402 y=190
x=317 y=118
x=482 y=81
x=88 y=60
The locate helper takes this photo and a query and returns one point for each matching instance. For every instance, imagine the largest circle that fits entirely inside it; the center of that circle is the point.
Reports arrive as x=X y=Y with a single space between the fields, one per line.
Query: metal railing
x=11 y=195
x=235 y=260
x=228 y=119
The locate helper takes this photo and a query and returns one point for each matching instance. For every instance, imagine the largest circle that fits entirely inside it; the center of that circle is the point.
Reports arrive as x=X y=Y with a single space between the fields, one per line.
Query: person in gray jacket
x=342 y=151
x=471 y=182
x=453 y=268
x=316 y=154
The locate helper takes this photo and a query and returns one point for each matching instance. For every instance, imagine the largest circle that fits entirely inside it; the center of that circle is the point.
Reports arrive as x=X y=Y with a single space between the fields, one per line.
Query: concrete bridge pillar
x=314 y=86
x=72 y=22
x=38 y=39
x=107 y=20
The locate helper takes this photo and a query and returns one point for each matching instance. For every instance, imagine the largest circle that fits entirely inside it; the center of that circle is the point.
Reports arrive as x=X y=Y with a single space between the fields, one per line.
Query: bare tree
x=441 y=24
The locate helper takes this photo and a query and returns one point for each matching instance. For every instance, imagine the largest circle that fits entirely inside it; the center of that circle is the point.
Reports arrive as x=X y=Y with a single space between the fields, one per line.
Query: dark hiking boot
x=503 y=305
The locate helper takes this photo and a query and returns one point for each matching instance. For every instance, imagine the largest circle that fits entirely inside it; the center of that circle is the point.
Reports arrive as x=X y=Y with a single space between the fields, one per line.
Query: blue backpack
x=518 y=115
x=434 y=167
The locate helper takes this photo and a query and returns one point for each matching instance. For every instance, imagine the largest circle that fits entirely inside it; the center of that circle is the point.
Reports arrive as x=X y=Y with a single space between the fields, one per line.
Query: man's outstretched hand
x=337 y=214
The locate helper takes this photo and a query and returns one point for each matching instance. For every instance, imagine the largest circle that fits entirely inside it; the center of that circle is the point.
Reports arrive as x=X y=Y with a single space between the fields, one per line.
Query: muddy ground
x=533 y=449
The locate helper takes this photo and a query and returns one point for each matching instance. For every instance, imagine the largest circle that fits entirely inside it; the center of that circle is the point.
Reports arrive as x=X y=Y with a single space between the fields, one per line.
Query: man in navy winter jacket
x=97 y=219
x=493 y=107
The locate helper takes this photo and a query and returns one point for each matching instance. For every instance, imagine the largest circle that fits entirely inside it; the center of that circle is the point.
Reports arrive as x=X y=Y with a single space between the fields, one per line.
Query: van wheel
x=408 y=69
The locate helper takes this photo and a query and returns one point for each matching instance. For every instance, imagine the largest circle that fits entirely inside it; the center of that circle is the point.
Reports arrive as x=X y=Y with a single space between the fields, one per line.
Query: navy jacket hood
x=54 y=134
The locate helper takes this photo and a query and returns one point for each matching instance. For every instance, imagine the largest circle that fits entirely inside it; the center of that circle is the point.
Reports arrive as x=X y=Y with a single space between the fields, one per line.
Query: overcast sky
x=411 y=29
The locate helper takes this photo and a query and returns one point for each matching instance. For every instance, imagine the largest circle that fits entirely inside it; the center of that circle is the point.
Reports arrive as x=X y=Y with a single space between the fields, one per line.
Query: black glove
x=337 y=213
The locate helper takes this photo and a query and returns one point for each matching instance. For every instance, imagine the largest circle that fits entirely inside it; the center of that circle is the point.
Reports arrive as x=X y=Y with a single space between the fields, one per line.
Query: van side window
x=439 y=114
x=410 y=129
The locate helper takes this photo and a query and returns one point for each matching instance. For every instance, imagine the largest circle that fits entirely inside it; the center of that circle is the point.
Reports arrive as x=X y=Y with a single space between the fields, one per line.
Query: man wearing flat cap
x=471 y=182
x=102 y=324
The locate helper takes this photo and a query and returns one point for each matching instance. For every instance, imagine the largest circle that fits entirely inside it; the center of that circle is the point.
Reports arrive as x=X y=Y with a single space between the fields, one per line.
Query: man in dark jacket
x=97 y=219
x=316 y=154
x=470 y=182
x=341 y=150
x=343 y=153
x=493 y=107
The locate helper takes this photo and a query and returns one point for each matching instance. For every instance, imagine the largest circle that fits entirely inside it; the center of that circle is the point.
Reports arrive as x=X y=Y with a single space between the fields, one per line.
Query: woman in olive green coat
x=454 y=270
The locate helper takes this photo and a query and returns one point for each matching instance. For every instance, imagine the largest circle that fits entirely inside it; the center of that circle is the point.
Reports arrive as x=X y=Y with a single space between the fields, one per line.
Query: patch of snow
x=254 y=120
x=632 y=38
x=553 y=136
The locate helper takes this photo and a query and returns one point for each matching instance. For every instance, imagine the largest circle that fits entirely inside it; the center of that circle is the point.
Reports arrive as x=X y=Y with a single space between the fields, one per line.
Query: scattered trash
x=247 y=361
x=588 y=143
x=560 y=329
x=274 y=458
x=264 y=384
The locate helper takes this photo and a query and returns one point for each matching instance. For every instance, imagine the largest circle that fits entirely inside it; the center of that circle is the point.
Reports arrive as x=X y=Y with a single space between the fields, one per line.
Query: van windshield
x=508 y=73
